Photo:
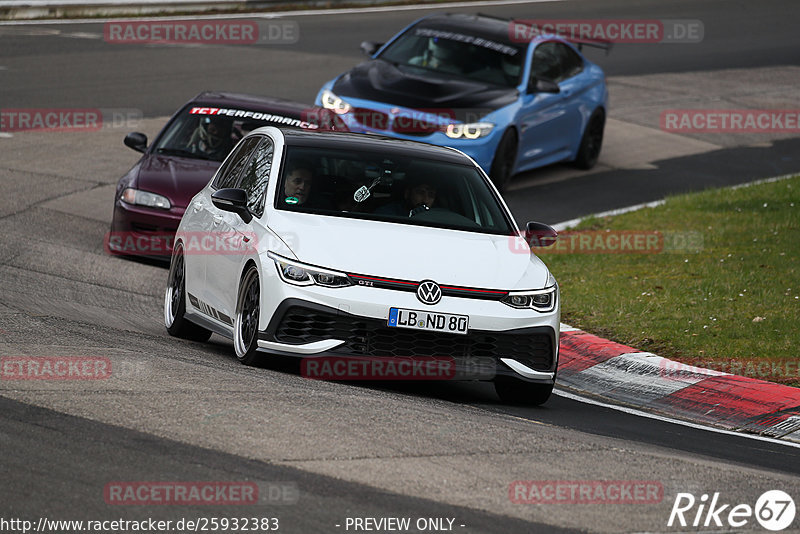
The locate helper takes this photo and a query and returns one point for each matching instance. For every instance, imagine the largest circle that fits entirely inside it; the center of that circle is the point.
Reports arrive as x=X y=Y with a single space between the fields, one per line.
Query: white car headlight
x=472 y=130
x=541 y=300
x=300 y=274
x=143 y=198
x=333 y=102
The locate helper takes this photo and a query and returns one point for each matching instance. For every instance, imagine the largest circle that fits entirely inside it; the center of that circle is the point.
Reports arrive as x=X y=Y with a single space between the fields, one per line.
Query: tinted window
x=457 y=53
x=210 y=133
x=232 y=168
x=555 y=62
x=255 y=178
x=363 y=184
x=571 y=62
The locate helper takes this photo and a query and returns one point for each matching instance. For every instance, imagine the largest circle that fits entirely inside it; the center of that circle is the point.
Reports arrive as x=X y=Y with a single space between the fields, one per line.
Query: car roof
x=377 y=143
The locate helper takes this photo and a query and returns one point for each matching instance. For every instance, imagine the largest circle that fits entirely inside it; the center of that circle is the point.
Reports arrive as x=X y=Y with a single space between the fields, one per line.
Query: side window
x=545 y=62
x=555 y=62
x=571 y=62
x=232 y=167
x=256 y=176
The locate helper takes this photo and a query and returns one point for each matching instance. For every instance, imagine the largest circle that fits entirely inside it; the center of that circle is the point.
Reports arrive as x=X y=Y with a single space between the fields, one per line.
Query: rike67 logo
x=774 y=510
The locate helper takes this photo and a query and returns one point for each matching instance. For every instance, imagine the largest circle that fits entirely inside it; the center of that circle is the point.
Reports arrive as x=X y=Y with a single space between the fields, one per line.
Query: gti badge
x=429 y=292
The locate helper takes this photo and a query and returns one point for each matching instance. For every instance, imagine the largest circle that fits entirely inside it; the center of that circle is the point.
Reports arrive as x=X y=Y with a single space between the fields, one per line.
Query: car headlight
x=472 y=130
x=333 y=102
x=143 y=198
x=300 y=274
x=541 y=300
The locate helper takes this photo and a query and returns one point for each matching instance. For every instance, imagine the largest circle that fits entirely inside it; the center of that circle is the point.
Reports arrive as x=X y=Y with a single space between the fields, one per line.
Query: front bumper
x=299 y=327
x=412 y=125
x=142 y=231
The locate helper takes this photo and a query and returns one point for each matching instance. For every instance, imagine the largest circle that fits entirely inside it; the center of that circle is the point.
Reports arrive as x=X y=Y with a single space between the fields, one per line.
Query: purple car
x=152 y=196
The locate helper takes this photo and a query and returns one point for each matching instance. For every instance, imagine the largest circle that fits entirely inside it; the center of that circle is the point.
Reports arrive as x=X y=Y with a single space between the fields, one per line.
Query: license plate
x=429 y=321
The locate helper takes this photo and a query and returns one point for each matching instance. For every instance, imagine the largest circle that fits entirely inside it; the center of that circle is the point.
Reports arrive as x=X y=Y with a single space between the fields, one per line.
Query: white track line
x=284 y=14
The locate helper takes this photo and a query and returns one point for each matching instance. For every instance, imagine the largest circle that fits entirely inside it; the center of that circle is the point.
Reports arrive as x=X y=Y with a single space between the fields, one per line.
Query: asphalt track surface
x=179 y=411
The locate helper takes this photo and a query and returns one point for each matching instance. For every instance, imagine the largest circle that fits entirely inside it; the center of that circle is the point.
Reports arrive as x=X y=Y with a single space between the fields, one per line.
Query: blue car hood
x=415 y=87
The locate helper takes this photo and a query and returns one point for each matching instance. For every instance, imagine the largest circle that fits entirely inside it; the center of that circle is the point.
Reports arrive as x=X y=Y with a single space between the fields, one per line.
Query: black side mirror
x=136 y=141
x=539 y=85
x=233 y=200
x=369 y=47
x=540 y=235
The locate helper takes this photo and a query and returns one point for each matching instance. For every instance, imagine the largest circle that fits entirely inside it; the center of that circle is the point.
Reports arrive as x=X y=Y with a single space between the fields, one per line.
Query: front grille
x=373 y=338
x=371 y=118
x=411 y=126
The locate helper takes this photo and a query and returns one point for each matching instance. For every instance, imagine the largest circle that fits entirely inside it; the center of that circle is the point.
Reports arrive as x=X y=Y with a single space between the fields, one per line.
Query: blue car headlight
x=334 y=103
x=472 y=130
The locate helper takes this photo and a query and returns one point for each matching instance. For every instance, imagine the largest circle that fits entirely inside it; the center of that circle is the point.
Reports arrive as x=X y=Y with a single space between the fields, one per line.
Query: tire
x=175 y=303
x=504 y=158
x=516 y=391
x=245 y=328
x=591 y=142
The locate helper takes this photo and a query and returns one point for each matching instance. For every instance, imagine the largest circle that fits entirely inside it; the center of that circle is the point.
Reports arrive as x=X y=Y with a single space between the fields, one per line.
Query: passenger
x=298 y=183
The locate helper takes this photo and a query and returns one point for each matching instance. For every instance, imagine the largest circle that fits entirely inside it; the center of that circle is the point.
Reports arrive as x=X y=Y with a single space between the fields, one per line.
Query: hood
x=178 y=179
x=408 y=252
x=416 y=87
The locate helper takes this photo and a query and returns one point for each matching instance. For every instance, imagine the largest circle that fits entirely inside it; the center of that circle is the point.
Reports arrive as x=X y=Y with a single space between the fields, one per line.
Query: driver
x=441 y=54
x=212 y=138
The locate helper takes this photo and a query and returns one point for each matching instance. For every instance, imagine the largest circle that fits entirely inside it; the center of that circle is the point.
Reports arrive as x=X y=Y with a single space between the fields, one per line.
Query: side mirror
x=233 y=200
x=539 y=85
x=136 y=141
x=540 y=235
x=369 y=47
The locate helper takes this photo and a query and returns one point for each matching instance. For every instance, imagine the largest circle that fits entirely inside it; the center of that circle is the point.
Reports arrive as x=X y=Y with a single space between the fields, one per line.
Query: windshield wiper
x=181 y=152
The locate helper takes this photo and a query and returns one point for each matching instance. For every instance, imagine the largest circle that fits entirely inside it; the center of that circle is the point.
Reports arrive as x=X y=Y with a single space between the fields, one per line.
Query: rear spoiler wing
x=603 y=45
x=580 y=43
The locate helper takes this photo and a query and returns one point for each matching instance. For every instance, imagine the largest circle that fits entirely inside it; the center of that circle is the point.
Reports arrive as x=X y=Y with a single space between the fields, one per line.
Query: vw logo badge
x=429 y=292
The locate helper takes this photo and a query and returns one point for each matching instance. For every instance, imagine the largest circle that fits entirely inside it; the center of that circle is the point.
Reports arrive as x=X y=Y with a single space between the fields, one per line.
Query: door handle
x=217 y=219
x=196 y=207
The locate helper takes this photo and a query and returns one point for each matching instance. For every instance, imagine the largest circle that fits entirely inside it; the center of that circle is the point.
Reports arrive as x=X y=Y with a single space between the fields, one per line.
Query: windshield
x=460 y=54
x=210 y=133
x=400 y=189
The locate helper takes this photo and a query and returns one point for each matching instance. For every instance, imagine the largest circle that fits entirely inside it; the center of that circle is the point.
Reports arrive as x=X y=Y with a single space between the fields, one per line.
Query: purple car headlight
x=143 y=198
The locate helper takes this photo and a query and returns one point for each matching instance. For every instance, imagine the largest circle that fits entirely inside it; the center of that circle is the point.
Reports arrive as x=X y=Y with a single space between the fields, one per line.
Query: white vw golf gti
x=334 y=245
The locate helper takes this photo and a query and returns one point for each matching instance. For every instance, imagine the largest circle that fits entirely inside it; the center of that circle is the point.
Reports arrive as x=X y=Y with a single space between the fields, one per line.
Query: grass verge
x=713 y=282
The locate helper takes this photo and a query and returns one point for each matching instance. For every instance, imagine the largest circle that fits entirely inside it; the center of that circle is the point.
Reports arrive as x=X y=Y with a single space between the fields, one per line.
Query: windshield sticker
x=470 y=39
x=291 y=200
x=362 y=194
x=255 y=115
